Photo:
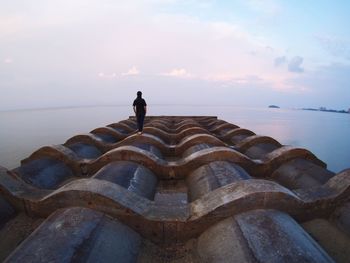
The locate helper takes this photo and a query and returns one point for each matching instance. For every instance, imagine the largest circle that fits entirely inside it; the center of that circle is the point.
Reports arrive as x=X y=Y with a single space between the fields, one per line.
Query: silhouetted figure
x=140 y=109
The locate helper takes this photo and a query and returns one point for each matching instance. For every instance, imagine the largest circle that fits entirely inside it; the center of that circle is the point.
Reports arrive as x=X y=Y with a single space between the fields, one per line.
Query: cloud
x=328 y=86
x=164 y=45
x=294 y=65
x=178 y=72
x=131 y=72
x=335 y=46
x=279 y=61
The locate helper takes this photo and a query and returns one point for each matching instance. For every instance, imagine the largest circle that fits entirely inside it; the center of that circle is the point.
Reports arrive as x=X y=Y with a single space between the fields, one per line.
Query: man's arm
x=145 y=107
x=134 y=107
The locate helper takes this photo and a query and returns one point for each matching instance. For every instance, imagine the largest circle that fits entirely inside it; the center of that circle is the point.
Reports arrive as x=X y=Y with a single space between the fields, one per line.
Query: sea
x=326 y=134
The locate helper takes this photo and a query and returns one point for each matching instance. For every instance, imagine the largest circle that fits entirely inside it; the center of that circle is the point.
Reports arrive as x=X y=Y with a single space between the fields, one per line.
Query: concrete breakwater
x=189 y=189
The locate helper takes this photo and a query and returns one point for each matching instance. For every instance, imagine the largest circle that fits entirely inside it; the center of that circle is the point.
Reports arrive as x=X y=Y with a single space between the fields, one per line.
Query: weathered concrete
x=233 y=136
x=107 y=138
x=252 y=140
x=17 y=229
x=334 y=241
x=90 y=139
x=223 y=128
x=84 y=150
x=258 y=151
x=196 y=148
x=342 y=217
x=213 y=175
x=301 y=173
x=79 y=235
x=223 y=202
x=181 y=177
x=259 y=236
x=44 y=173
x=131 y=176
x=122 y=128
x=149 y=147
x=174 y=138
x=6 y=211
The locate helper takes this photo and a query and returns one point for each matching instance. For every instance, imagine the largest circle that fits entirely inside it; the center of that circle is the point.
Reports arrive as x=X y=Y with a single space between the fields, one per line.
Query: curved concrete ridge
x=176 y=169
x=215 y=123
x=192 y=140
x=127 y=153
x=165 y=127
x=98 y=194
x=237 y=197
x=164 y=136
x=122 y=126
x=223 y=126
x=129 y=122
x=194 y=218
x=170 y=137
x=167 y=149
x=224 y=198
x=105 y=147
x=16 y=191
x=110 y=131
x=59 y=153
x=284 y=154
x=238 y=131
x=160 y=121
x=187 y=165
x=185 y=121
x=208 y=124
x=337 y=187
x=186 y=126
x=114 y=195
x=253 y=140
x=88 y=138
x=173 y=169
x=144 y=138
x=157 y=125
x=190 y=131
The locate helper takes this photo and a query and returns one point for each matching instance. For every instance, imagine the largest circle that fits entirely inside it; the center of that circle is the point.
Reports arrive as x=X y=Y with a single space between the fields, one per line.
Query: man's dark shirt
x=140 y=104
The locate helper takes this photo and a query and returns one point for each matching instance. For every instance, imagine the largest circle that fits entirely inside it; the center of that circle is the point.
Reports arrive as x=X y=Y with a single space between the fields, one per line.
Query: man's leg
x=142 y=118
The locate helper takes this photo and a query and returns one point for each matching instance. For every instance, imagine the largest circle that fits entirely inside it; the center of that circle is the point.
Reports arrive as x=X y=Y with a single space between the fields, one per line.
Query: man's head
x=139 y=94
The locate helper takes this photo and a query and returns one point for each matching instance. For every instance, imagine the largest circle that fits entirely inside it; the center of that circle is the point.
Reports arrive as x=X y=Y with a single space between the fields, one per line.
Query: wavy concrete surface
x=166 y=149
x=176 y=169
x=245 y=144
x=230 y=199
x=90 y=236
x=229 y=135
x=259 y=236
x=180 y=179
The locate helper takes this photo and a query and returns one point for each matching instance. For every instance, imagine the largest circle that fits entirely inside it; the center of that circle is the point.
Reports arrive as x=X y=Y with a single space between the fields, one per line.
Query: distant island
x=274 y=107
x=327 y=110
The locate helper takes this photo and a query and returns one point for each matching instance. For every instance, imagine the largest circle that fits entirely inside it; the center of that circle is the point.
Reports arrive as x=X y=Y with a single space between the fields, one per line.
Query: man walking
x=140 y=109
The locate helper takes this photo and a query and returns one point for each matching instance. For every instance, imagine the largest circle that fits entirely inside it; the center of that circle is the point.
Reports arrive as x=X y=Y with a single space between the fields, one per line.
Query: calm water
x=325 y=134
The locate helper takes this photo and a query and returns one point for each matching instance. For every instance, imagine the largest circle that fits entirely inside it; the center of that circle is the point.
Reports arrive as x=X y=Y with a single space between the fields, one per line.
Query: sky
x=60 y=53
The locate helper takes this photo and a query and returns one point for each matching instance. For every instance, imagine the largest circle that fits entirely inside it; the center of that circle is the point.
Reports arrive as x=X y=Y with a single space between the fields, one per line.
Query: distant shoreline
x=326 y=110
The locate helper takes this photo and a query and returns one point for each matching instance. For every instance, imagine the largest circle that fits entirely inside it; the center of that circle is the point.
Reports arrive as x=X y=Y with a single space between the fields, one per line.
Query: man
x=140 y=109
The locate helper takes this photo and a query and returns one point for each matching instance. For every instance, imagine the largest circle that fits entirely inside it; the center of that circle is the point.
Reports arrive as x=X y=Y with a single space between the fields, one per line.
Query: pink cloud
x=131 y=72
x=178 y=72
